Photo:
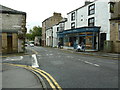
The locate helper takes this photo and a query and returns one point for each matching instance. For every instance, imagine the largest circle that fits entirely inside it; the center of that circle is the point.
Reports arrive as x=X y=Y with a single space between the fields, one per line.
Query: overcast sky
x=39 y=10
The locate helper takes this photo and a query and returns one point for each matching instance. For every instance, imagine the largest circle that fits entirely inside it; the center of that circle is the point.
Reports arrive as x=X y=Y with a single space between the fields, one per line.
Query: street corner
x=19 y=77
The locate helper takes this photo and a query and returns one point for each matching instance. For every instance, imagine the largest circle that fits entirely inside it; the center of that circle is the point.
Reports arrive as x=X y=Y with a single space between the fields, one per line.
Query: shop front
x=89 y=36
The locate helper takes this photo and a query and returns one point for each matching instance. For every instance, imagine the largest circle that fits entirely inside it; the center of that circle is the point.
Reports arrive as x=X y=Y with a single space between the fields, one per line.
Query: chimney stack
x=87 y=2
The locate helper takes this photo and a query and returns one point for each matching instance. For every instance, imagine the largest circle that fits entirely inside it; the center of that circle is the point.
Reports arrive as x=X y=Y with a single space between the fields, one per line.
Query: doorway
x=0 y=44
x=9 y=44
x=102 y=39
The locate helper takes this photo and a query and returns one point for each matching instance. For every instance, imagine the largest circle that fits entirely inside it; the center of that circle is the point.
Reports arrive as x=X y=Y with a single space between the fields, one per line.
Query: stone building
x=12 y=30
x=48 y=23
x=115 y=25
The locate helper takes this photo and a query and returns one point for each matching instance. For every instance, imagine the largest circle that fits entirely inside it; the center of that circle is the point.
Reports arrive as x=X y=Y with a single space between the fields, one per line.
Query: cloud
x=39 y=10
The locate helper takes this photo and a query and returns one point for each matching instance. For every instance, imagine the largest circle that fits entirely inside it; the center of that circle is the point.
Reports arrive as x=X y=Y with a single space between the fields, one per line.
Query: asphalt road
x=73 y=70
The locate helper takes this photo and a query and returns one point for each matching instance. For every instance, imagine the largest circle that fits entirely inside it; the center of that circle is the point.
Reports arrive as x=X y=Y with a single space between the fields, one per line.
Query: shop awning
x=79 y=30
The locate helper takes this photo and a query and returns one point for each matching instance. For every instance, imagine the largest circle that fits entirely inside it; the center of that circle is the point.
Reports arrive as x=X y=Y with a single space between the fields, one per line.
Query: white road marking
x=97 y=65
x=34 y=62
x=89 y=63
x=14 y=58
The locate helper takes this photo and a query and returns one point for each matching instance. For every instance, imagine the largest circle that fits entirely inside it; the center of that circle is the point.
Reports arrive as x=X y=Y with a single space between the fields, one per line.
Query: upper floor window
x=119 y=32
x=91 y=9
x=112 y=7
x=91 y=21
x=73 y=16
x=61 y=26
x=73 y=25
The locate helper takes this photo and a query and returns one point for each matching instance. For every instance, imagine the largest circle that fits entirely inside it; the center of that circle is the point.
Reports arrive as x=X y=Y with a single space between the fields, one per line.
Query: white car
x=26 y=45
x=32 y=45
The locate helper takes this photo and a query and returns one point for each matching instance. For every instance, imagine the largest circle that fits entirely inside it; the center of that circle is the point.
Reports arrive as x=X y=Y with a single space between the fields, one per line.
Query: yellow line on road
x=58 y=86
x=41 y=72
x=49 y=81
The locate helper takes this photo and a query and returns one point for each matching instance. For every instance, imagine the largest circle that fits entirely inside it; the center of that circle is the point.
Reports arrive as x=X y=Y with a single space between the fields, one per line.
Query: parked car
x=31 y=45
x=26 y=44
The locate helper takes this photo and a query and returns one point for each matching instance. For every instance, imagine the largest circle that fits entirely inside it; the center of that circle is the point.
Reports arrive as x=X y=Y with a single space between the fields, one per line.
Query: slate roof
x=4 y=9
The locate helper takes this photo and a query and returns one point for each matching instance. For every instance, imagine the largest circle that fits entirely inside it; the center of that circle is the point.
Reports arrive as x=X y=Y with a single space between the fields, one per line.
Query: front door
x=9 y=44
x=102 y=39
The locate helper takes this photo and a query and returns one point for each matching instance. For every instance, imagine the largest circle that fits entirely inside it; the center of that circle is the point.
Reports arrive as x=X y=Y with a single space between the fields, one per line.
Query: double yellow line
x=52 y=82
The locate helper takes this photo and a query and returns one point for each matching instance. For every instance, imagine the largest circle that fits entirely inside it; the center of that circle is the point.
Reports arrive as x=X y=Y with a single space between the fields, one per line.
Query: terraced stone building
x=115 y=25
x=12 y=30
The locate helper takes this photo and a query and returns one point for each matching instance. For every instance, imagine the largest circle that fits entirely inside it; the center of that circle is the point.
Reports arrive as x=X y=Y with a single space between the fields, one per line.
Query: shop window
x=73 y=25
x=91 y=21
x=73 y=16
x=91 y=9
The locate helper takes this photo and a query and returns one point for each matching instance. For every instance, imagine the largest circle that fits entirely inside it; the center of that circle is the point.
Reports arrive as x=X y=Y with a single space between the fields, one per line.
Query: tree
x=35 y=31
x=29 y=36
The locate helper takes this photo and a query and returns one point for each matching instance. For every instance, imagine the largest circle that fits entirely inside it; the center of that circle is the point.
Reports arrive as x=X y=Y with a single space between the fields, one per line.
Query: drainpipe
x=76 y=18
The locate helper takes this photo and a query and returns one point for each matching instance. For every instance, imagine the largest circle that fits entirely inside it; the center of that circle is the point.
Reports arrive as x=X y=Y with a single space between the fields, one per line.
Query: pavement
x=16 y=77
x=103 y=54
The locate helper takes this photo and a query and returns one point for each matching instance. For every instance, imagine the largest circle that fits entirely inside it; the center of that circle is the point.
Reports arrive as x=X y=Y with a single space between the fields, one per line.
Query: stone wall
x=48 y=23
x=115 y=36
x=4 y=42
x=13 y=24
x=114 y=28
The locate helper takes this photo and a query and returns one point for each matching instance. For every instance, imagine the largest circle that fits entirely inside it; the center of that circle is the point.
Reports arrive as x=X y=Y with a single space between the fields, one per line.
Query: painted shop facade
x=89 y=24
